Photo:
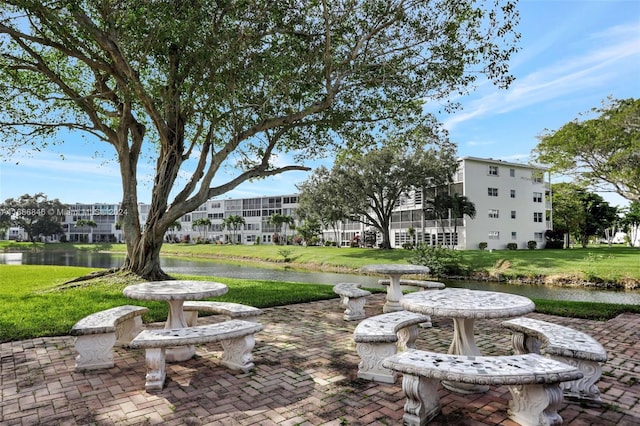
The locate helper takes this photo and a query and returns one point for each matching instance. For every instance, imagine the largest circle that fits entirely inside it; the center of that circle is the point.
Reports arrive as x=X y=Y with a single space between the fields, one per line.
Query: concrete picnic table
x=394 y=271
x=465 y=306
x=175 y=292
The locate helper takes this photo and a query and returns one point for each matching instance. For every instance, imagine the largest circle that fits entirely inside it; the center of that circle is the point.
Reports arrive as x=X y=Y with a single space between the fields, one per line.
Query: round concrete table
x=175 y=293
x=465 y=306
x=394 y=271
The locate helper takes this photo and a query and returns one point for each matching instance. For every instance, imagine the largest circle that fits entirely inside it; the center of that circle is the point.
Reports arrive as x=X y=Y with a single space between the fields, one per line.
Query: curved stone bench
x=236 y=337
x=533 y=380
x=96 y=334
x=381 y=336
x=227 y=309
x=563 y=344
x=353 y=298
x=424 y=285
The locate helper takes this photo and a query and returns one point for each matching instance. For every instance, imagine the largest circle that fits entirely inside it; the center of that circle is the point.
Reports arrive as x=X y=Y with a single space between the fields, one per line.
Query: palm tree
x=233 y=223
x=81 y=223
x=175 y=226
x=277 y=220
x=461 y=206
x=202 y=224
x=440 y=206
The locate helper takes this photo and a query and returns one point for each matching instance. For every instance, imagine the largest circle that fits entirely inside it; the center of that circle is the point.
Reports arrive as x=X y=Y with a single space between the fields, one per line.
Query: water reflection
x=221 y=269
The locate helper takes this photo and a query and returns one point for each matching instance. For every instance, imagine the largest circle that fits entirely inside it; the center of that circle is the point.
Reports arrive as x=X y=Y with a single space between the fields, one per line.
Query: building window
x=537 y=197
x=538 y=236
x=512 y=172
x=537 y=176
x=513 y=193
x=537 y=217
x=494 y=214
x=493 y=170
x=493 y=192
x=513 y=214
x=494 y=235
x=514 y=235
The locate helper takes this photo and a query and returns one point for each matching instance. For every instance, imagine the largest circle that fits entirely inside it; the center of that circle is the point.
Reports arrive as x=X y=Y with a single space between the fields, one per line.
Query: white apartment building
x=512 y=202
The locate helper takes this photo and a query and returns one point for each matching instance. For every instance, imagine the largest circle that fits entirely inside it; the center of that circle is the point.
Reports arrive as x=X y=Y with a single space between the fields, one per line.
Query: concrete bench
x=564 y=344
x=533 y=380
x=381 y=336
x=424 y=285
x=96 y=334
x=353 y=298
x=236 y=337
x=227 y=309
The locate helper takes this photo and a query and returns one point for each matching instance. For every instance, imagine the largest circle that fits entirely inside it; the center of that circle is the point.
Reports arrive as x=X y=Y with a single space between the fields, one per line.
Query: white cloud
x=598 y=67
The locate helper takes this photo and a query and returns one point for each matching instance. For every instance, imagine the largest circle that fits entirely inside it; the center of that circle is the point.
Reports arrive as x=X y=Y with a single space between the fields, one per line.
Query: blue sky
x=574 y=54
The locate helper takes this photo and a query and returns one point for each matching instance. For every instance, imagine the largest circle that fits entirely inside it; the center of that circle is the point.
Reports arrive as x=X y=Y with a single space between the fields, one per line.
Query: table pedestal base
x=464 y=344
x=176 y=319
x=392 y=306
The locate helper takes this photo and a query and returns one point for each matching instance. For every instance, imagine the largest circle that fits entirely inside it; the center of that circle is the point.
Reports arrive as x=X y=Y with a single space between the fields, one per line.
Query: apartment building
x=512 y=202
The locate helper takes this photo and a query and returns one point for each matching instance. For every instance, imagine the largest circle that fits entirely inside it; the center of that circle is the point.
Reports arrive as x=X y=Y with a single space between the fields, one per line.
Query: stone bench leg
x=354 y=307
x=523 y=344
x=156 y=373
x=535 y=405
x=237 y=353
x=585 y=388
x=371 y=357
x=422 y=403
x=581 y=389
x=94 y=351
x=127 y=330
x=407 y=337
x=191 y=318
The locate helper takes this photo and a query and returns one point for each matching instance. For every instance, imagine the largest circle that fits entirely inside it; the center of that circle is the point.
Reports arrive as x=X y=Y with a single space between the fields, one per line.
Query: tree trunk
x=144 y=259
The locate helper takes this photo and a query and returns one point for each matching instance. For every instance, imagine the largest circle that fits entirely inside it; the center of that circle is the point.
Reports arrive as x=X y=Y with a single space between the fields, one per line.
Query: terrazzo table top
x=175 y=290
x=395 y=269
x=465 y=303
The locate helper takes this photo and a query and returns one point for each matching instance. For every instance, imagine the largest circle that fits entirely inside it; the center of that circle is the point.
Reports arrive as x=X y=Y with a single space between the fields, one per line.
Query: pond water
x=229 y=270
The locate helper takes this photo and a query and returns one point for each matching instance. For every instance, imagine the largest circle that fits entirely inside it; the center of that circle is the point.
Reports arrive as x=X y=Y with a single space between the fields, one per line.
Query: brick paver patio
x=305 y=374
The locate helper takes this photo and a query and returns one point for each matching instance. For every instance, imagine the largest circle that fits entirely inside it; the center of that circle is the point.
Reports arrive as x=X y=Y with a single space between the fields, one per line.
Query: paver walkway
x=305 y=374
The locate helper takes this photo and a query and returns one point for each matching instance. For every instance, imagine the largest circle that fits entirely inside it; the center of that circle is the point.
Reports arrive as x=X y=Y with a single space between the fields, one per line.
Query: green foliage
x=440 y=260
x=232 y=85
x=365 y=185
x=512 y=246
x=602 y=151
x=36 y=214
x=581 y=213
x=482 y=245
x=532 y=244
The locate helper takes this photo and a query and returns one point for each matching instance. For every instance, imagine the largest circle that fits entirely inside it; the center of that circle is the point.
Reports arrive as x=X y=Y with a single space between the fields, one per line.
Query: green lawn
x=617 y=264
x=36 y=301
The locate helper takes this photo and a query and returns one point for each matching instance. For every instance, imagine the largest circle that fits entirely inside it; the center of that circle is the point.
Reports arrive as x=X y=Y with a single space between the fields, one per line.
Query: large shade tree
x=603 y=152
x=206 y=86
x=36 y=214
x=371 y=183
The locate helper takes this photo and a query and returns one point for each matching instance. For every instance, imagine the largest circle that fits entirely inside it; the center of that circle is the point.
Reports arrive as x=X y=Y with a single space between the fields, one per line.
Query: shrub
x=329 y=243
x=553 y=239
x=407 y=246
x=512 y=246
x=441 y=261
x=482 y=245
x=532 y=245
